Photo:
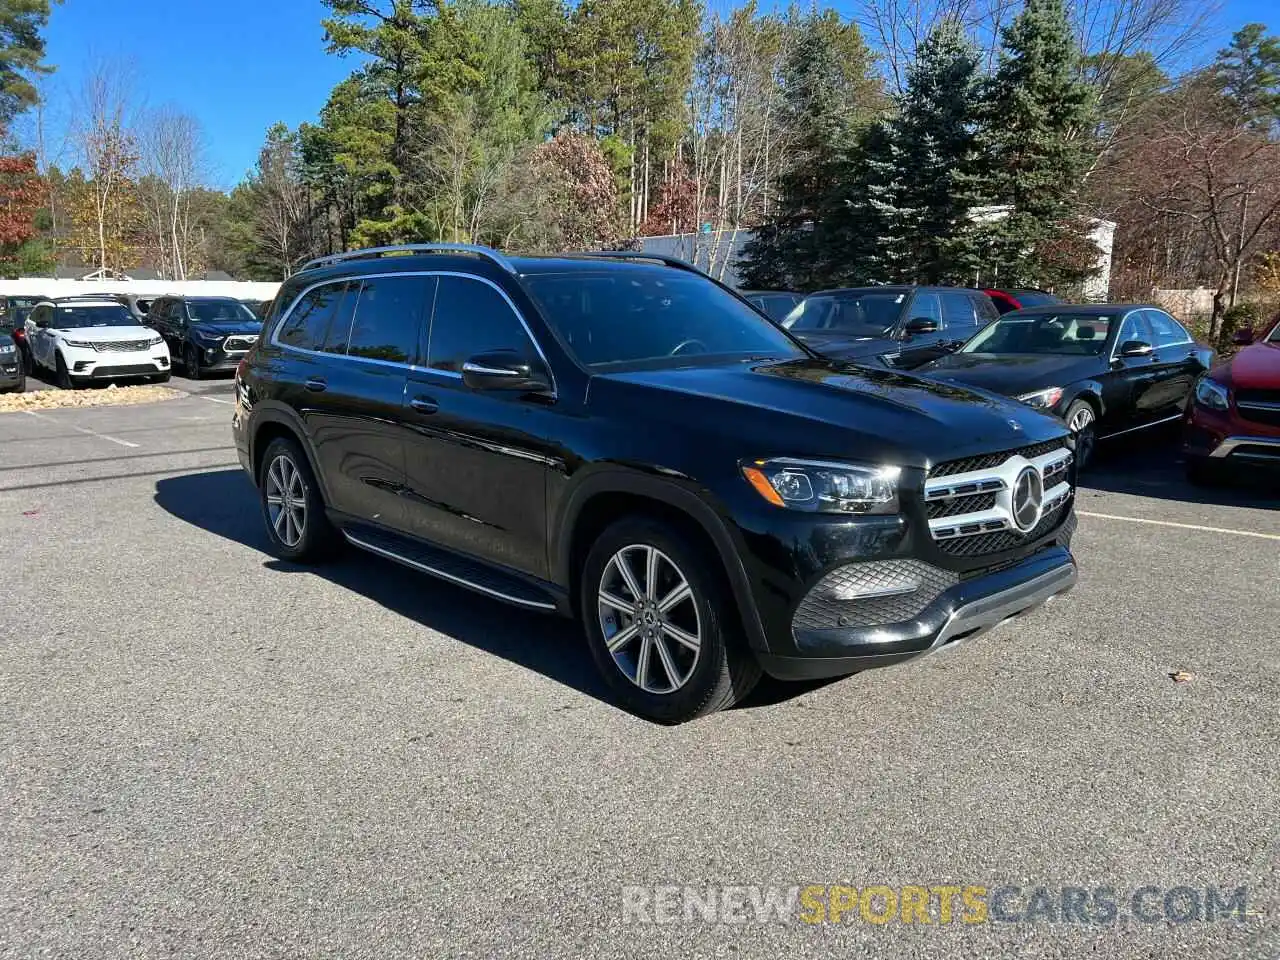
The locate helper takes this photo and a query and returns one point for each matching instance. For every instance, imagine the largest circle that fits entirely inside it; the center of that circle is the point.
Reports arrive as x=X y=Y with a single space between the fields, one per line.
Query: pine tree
x=830 y=92
x=1037 y=116
x=1248 y=71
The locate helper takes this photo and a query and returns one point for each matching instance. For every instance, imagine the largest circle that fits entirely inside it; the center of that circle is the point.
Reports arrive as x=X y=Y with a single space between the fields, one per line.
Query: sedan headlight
x=816 y=486
x=1211 y=394
x=1045 y=399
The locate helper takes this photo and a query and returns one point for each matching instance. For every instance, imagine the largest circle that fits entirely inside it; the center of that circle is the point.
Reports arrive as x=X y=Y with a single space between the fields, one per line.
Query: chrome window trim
x=274 y=340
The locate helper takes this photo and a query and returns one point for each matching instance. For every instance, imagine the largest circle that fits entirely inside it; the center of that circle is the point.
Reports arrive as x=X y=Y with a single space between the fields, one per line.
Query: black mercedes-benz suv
x=620 y=438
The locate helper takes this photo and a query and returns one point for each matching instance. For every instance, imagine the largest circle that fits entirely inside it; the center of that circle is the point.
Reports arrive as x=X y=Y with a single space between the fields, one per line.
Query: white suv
x=93 y=338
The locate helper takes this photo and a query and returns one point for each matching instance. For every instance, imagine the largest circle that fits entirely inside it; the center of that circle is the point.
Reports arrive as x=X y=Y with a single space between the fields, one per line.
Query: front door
x=1127 y=385
x=476 y=462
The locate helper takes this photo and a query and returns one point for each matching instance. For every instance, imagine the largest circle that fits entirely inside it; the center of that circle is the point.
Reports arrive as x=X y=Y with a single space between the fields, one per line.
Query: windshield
x=73 y=318
x=640 y=314
x=220 y=311
x=16 y=317
x=1048 y=333
x=1275 y=334
x=852 y=314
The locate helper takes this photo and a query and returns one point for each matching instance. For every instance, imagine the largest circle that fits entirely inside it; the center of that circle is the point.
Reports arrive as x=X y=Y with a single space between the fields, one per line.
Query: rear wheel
x=660 y=623
x=292 y=506
x=1080 y=419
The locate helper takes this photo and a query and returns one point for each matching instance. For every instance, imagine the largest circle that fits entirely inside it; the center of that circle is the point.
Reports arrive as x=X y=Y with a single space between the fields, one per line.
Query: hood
x=1012 y=374
x=225 y=328
x=845 y=347
x=106 y=334
x=815 y=407
x=1255 y=367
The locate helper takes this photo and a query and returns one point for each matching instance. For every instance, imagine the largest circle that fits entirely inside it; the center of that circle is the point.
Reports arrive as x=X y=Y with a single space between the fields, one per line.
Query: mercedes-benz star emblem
x=1015 y=424
x=1028 y=498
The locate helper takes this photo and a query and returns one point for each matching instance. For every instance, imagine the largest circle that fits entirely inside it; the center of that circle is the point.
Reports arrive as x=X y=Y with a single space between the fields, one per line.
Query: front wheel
x=660 y=623
x=191 y=359
x=62 y=376
x=1204 y=472
x=292 y=506
x=1080 y=419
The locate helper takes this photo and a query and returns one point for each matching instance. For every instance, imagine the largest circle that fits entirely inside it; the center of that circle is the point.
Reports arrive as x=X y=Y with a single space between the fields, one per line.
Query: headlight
x=81 y=344
x=1211 y=394
x=1045 y=399
x=157 y=340
x=819 y=487
x=6 y=349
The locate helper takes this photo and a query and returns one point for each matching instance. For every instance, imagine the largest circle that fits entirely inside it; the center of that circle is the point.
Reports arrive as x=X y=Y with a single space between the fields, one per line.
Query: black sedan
x=1106 y=369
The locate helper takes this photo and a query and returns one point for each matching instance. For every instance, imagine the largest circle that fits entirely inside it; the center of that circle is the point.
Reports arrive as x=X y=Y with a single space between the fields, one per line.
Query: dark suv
x=620 y=438
x=205 y=334
x=897 y=327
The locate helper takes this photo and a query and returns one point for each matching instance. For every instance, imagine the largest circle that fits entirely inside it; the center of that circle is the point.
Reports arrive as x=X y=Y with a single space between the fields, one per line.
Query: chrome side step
x=434 y=567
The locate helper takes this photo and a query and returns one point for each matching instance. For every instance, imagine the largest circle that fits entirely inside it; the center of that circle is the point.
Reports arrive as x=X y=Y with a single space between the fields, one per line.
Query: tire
x=22 y=384
x=317 y=540
x=62 y=376
x=162 y=378
x=716 y=674
x=1203 y=472
x=191 y=360
x=1081 y=417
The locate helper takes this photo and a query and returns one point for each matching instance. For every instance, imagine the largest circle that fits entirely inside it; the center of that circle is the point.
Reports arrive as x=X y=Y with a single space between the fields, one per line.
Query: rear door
x=1176 y=364
x=347 y=360
x=476 y=462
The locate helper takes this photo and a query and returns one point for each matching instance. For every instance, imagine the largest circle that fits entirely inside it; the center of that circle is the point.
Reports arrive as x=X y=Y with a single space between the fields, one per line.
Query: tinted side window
x=958 y=313
x=387 y=315
x=926 y=304
x=307 y=326
x=1135 y=328
x=1165 y=329
x=984 y=308
x=472 y=317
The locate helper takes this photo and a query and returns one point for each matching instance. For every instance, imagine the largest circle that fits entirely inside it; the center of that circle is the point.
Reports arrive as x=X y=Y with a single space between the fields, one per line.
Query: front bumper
x=1227 y=437
x=111 y=366
x=214 y=359
x=966 y=609
x=11 y=370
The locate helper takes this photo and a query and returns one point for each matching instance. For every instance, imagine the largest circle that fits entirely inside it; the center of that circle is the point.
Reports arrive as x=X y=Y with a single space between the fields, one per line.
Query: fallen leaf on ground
x=1181 y=676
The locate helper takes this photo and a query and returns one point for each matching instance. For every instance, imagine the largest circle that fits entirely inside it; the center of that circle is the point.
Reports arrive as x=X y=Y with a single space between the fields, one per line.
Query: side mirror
x=1243 y=337
x=918 y=325
x=505 y=370
x=1135 y=348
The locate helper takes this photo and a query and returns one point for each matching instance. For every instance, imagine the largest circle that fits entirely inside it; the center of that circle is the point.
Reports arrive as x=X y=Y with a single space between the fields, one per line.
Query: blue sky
x=241 y=65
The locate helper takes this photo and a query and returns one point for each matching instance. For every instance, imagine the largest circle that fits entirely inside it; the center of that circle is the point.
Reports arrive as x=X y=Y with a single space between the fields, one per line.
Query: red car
x=1009 y=300
x=1234 y=417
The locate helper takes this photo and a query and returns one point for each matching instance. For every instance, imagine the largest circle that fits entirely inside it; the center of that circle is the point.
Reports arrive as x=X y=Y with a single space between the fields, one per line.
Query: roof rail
x=663 y=258
x=372 y=252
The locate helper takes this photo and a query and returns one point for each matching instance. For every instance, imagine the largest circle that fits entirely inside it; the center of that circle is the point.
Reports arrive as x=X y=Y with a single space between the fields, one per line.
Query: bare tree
x=174 y=160
x=280 y=220
x=104 y=140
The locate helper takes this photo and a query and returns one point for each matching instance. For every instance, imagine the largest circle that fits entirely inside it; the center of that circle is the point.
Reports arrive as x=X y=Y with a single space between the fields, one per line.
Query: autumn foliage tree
x=21 y=195
x=569 y=196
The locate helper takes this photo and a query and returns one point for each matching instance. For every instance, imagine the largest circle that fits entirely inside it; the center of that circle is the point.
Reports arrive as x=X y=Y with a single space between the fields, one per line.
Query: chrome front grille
x=122 y=346
x=234 y=344
x=1262 y=406
x=993 y=502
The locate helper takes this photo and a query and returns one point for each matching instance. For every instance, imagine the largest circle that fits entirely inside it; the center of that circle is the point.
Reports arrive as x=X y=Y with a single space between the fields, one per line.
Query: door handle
x=424 y=405
x=316 y=385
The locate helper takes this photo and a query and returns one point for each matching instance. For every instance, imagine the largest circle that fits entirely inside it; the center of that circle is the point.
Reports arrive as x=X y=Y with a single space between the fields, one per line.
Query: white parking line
x=84 y=430
x=212 y=399
x=1182 y=526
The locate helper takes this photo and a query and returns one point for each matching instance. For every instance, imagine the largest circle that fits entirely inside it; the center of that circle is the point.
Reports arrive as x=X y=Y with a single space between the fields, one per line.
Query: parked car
x=774 y=304
x=1106 y=370
x=900 y=327
x=620 y=438
x=1234 y=420
x=81 y=339
x=136 y=305
x=259 y=307
x=13 y=321
x=205 y=334
x=1017 y=298
x=13 y=375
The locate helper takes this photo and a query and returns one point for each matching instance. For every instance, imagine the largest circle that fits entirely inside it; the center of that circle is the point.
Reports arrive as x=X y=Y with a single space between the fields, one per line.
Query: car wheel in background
x=62 y=376
x=161 y=378
x=292 y=506
x=661 y=625
x=1081 y=419
x=191 y=360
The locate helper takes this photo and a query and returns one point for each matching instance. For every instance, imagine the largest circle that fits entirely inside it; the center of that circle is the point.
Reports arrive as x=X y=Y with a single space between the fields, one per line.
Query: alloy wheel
x=1081 y=419
x=286 y=496
x=649 y=619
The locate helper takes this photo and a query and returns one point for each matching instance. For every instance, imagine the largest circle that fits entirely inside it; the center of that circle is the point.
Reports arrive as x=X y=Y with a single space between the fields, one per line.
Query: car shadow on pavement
x=1152 y=469
x=224 y=503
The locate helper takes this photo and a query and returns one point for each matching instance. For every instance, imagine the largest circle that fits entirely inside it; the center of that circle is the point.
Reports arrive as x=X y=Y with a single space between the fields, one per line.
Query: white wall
x=45 y=287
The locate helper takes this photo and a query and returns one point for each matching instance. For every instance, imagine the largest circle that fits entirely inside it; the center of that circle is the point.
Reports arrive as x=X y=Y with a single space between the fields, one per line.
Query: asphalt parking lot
x=210 y=753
